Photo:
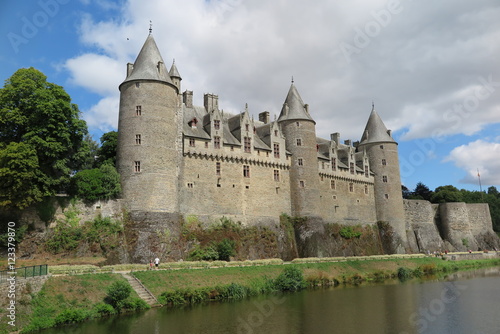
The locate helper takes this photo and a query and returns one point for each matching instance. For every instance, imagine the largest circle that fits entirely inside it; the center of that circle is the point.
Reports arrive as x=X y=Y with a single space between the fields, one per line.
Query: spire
x=294 y=108
x=375 y=130
x=174 y=73
x=149 y=64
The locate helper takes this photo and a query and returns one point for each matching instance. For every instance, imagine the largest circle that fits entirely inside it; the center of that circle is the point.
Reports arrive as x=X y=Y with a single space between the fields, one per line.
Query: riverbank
x=81 y=293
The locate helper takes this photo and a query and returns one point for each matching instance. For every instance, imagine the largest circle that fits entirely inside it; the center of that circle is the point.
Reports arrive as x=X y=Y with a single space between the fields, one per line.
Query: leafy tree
x=444 y=196
x=95 y=184
x=493 y=191
x=117 y=293
x=405 y=191
x=107 y=151
x=90 y=151
x=422 y=192
x=39 y=117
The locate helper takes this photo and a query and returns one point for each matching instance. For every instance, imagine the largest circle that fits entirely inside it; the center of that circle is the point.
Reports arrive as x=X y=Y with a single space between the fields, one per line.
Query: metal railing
x=24 y=272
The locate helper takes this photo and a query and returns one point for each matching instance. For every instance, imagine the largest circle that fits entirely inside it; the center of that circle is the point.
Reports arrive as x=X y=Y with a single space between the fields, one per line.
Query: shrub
x=208 y=253
x=70 y=316
x=103 y=309
x=404 y=273
x=134 y=304
x=347 y=232
x=290 y=279
x=117 y=293
x=94 y=184
x=232 y=291
x=225 y=249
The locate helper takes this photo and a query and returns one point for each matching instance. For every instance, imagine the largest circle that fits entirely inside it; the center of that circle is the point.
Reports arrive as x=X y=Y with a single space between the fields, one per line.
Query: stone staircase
x=141 y=290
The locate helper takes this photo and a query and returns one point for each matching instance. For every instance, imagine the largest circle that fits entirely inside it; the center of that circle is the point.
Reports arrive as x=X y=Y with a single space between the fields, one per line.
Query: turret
x=175 y=76
x=299 y=129
x=149 y=135
x=382 y=151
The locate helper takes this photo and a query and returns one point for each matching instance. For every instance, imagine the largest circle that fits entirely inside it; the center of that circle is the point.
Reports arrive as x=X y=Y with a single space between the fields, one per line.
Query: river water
x=466 y=302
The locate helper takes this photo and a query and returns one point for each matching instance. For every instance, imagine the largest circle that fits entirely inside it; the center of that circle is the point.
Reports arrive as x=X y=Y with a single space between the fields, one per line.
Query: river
x=466 y=302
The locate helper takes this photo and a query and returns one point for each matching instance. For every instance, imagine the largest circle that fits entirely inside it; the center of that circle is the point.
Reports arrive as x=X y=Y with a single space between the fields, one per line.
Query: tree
x=94 y=184
x=422 y=192
x=493 y=191
x=107 y=151
x=40 y=116
x=405 y=191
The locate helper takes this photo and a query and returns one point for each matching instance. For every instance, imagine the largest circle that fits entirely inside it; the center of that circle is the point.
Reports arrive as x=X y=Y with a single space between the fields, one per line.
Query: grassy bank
x=74 y=298
x=70 y=299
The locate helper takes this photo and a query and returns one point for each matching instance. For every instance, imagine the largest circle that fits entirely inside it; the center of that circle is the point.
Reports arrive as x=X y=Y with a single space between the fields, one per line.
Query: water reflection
x=465 y=302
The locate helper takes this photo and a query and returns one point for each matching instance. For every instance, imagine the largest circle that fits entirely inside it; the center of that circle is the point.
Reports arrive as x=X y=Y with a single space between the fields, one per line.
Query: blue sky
x=431 y=68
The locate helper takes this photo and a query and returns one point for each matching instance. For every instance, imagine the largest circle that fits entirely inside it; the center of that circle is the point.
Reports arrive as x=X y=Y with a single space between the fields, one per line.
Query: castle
x=176 y=157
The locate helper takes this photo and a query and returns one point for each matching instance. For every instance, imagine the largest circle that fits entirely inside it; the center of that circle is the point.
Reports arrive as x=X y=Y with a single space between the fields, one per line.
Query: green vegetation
x=347 y=232
x=71 y=299
x=41 y=139
x=69 y=234
x=93 y=184
x=448 y=193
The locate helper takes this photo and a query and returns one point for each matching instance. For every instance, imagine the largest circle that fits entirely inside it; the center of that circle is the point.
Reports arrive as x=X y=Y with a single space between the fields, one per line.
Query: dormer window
x=276 y=133
x=192 y=123
x=216 y=124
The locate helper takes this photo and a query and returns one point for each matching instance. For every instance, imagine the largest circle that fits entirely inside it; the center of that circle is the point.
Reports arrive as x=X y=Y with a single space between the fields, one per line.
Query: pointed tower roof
x=375 y=131
x=174 y=72
x=294 y=108
x=149 y=64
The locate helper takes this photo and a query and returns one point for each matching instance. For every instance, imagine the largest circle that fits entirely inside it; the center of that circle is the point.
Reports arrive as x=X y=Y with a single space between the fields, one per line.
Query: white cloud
x=103 y=115
x=478 y=155
x=425 y=60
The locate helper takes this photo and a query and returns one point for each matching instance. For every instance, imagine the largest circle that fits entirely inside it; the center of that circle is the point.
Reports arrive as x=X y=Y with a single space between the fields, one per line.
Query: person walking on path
x=157 y=263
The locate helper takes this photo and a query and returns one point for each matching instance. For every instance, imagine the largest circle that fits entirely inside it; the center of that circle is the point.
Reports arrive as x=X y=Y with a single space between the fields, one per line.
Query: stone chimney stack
x=187 y=98
x=264 y=117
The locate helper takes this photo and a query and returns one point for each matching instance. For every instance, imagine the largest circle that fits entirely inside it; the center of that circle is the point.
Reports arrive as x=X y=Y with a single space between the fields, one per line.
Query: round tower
x=300 y=137
x=149 y=136
x=382 y=151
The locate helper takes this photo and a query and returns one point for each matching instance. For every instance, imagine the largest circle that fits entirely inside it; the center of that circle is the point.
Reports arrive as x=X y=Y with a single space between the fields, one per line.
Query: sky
x=430 y=67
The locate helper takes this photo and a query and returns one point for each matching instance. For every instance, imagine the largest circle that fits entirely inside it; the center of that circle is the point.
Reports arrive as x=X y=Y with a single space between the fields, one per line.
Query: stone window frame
x=216 y=124
x=138 y=139
x=276 y=175
x=276 y=150
x=334 y=163
x=299 y=141
x=192 y=142
x=351 y=168
x=384 y=178
x=138 y=110
x=246 y=171
x=300 y=162
x=302 y=184
x=137 y=166
x=218 y=168
x=247 y=144
x=366 y=189
x=366 y=171
x=216 y=142
x=351 y=187
x=333 y=184
x=384 y=162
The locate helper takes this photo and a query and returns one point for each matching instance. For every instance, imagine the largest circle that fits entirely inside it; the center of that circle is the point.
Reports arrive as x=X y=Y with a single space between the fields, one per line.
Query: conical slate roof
x=149 y=64
x=375 y=131
x=174 y=72
x=293 y=108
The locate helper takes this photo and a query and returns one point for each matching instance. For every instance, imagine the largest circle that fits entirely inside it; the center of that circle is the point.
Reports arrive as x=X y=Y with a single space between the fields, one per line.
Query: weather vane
x=150 y=27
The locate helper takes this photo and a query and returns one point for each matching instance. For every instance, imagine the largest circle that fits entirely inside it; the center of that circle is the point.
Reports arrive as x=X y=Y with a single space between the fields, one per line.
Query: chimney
x=187 y=98
x=264 y=117
x=130 y=68
x=347 y=142
x=211 y=102
x=389 y=132
x=335 y=137
x=306 y=107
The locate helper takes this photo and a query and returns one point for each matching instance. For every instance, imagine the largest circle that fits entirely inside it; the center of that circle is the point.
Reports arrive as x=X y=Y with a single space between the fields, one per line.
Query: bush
x=290 y=279
x=117 y=293
x=404 y=273
x=134 y=304
x=232 y=291
x=208 y=253
x=103 y=309
x=70 y=316
x=225 y=249
x=347 y=232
